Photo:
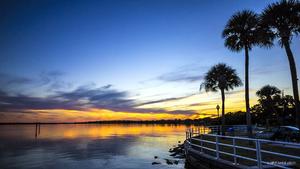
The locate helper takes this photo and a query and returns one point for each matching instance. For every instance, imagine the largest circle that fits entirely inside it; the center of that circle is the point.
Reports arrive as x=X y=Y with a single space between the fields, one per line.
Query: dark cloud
x=208 y=114
x=12 y=103
x=82 y=98
x=107 y=86
x=103 y=97
x=91 y=93
x=165 y=100
x=200 y=104
x=13 y=99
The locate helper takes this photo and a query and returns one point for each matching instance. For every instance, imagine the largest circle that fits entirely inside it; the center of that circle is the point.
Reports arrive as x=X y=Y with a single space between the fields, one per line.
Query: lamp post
x=218 y=108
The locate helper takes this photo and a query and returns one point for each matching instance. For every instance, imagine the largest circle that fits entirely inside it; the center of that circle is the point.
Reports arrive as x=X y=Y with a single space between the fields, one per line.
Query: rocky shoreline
x=176 y=152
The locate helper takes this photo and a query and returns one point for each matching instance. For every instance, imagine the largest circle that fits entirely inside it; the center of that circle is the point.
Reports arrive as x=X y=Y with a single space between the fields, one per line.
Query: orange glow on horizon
x=203 y=104
x=61 y=115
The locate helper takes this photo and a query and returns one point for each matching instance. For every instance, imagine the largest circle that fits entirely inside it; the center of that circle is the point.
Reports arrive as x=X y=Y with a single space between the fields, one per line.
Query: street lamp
x=218 y=108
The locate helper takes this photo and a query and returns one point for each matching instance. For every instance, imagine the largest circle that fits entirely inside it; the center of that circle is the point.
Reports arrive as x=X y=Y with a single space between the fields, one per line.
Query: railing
x=233 y=130
x=196 y=138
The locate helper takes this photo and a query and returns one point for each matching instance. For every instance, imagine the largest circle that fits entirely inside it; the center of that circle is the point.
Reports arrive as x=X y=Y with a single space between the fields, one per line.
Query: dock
x=211 y=151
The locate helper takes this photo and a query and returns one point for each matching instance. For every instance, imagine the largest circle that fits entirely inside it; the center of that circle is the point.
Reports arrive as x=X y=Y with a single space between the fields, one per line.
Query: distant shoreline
x=175 y=122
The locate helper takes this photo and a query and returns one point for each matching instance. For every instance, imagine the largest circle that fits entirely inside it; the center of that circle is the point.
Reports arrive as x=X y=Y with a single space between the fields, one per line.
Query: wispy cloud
x=8 y=79
x=164 y=100
x=175 y=77
x=187 y=73
x=52 y=80
x=49 y=81
x=267 y=69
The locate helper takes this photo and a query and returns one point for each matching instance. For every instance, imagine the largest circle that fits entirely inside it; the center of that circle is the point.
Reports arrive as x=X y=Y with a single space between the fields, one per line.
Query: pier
x=205 y=151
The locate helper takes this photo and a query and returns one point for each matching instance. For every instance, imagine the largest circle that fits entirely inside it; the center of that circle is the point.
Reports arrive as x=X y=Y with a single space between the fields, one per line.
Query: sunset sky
x=69 y=60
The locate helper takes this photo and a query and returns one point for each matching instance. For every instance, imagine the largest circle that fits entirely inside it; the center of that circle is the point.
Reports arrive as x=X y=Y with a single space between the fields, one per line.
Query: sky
x=75 y=60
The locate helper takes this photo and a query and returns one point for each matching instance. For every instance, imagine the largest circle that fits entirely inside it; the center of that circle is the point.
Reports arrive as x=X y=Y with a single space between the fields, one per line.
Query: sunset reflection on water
x=89 y=145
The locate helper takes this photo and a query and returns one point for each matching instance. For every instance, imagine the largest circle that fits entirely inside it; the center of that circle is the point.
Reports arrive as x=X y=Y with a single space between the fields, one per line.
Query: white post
x=258 y=154
x=217 y=148
x=234 y=152
x=201 y=142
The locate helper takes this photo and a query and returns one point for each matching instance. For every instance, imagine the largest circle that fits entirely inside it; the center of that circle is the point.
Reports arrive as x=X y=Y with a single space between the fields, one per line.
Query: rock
x=181 y=156
x=169 y=162
x=173 y=154
x=155 y=163
x=177 y=152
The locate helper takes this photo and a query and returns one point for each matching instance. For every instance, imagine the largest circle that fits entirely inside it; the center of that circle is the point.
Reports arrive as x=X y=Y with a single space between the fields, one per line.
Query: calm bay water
x=115 y=146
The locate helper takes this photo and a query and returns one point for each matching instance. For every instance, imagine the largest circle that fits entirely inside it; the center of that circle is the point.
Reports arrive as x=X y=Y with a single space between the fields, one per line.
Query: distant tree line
x=273 y=109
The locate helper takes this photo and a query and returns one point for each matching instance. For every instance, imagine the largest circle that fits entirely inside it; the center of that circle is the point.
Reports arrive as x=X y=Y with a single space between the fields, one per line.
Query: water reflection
x=37 y=129
x=88 y=146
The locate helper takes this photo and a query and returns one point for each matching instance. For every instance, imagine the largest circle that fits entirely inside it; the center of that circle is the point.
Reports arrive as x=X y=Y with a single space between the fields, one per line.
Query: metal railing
x=198 y=135
x=233 y=130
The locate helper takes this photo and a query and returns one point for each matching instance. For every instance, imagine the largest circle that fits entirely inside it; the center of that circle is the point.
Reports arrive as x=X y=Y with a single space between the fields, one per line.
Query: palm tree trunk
x=223 y=112
x=248 y=115
x=294 y=78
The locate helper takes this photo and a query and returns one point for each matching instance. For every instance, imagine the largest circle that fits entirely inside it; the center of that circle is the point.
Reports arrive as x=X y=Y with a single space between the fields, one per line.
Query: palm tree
x=267 y=96
x=221 y=77
x=242 y=33
x=267 y=92
x=283 y=20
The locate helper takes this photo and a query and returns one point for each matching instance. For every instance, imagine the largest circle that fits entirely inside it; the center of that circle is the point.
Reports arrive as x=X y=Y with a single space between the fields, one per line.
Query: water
x=115 y=146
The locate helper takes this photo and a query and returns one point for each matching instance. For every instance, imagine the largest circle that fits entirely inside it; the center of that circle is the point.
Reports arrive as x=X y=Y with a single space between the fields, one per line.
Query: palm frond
x=220 y=76
x=282 y=19
x=242 y=30
x=267 y=91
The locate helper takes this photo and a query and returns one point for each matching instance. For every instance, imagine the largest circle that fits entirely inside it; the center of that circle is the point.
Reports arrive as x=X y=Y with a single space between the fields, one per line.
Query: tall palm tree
x=242 y=33
x=221 y=77
x=283 y=19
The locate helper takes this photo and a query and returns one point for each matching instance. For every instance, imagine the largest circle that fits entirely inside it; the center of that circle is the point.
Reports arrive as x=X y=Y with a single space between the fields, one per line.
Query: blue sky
x=152 y=50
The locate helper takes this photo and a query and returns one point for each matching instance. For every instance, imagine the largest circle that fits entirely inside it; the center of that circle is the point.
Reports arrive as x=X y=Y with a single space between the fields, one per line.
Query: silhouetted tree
x=267 y=95
x=221 y=77
x=242 y=31
x=283 y=20
x=258 y=115
x=267 y=92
